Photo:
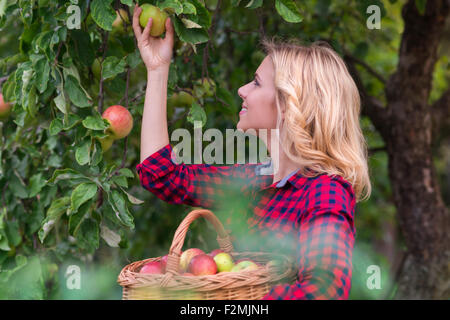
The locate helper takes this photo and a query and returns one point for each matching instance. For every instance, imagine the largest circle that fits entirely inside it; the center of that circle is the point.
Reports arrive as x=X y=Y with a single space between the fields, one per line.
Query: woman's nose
x=241 y=92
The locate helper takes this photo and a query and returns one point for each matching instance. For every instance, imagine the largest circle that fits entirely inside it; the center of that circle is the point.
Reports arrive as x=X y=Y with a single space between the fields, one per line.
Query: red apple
x=5 y=108
x=214 y=252
x=164 y=262
x=152 y=267
x=202 y=265
x=120 y=119
x=186 y=257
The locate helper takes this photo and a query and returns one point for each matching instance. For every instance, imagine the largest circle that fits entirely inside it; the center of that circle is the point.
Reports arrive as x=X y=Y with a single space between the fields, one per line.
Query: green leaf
x=126 y=172
x=37 y=182
x=97 y=154
x=203 y=16
x=127 y=2
x=42 y=73
x=57 y=208
x=60 y=102
x=132 y=198
x=110 y=237
x=421 y=6
x=82 y=193
x=189 y=8
x=118 y=204
x=17 y=187
x=103 y=13
x=75 y=92
x=288 y=11
x=72 y=120
x=133 y=59
x=82 y=153
x=253 y=4
x=88 y=235
x=120 y=180
x=95 y=123
x=12 y=231
x=173 y=6
x=112 y=66
x=55 y=126
x=67 y=174
x=76 y=218
x=193 y=35
x=197 y=113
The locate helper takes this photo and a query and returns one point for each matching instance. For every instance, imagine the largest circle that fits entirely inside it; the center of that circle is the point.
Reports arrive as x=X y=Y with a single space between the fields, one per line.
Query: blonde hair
x=321 y=130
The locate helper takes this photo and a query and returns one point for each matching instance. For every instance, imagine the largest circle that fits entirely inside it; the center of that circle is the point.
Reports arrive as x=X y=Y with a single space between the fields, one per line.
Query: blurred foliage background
x=35 y=270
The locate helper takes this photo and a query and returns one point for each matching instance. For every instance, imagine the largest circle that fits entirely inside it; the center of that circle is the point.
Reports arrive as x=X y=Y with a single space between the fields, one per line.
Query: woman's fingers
x=147 y=28
x=169 y=30
x=136 y=26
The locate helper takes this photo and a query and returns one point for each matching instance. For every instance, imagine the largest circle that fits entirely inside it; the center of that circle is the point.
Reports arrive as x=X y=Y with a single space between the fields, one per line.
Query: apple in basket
x=202 y=265
x=164 y=262
x=187 y=256
x=214 y=252
x=152 y=267
x=245 y=265
x=224 y=262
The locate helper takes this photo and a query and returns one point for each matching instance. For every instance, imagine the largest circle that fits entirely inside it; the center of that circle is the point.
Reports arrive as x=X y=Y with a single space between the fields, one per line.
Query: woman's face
x=259 y=98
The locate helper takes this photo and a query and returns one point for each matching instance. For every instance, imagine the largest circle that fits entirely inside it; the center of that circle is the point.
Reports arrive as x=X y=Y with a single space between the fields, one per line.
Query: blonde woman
x=307 y=206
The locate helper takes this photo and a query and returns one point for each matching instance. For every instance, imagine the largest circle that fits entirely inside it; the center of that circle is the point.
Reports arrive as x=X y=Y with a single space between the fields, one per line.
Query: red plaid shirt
x=311 y=218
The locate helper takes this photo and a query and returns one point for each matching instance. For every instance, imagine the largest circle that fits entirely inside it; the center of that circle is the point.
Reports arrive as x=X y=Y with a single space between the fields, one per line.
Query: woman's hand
x=156 y=52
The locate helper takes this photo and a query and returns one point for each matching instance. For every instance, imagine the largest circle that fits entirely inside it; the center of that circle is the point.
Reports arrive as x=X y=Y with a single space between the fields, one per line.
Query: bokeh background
x=402 y=70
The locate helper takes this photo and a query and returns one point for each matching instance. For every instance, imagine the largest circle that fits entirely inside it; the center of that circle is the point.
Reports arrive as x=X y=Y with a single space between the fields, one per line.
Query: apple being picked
x=152 y=267
x=186 y=257
x=202 y=265
x=224 y=262
x=158 y=19
x=120 y=120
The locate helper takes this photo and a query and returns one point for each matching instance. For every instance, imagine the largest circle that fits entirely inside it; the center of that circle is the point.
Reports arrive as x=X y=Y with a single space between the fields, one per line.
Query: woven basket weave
x=242 y=285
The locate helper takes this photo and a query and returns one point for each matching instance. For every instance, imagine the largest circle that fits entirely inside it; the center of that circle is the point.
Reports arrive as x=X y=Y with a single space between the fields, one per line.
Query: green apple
x=245 y=265
x=118 y=24
x=158 y=19
x=205 y=86
x=106 y=142
x=96 y=68
x=224 y=262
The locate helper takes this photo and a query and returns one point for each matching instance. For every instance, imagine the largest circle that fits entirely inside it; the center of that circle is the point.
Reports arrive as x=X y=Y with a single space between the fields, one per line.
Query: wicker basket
x=242 y=285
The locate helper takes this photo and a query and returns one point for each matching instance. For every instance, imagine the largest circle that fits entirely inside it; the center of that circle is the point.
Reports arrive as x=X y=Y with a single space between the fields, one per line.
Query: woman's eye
x=256 y=82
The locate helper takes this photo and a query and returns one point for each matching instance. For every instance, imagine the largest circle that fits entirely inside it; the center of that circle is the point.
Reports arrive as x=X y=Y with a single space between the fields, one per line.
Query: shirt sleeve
x=198 y=185
x=325 y=245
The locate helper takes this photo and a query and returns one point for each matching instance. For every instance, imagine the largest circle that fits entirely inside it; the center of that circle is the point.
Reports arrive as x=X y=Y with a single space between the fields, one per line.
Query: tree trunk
x=423 y=216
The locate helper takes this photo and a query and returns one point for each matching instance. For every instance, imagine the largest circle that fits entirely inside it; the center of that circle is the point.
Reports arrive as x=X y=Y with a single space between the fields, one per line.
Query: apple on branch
x=120 y=119
x=5 y=108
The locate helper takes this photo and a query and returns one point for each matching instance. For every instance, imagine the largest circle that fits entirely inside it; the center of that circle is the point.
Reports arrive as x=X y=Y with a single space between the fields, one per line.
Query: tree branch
x=370 y=106
x=369 y=69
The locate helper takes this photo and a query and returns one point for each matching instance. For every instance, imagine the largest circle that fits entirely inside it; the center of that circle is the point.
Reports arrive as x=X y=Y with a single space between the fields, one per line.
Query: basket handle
x=173 y=259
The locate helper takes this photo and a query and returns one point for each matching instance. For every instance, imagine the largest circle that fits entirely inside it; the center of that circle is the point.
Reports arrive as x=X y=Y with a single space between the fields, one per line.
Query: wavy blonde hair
x=321 y=130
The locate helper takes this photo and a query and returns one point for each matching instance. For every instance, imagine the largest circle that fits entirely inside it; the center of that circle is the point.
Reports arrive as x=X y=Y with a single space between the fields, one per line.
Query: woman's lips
x=243 y=111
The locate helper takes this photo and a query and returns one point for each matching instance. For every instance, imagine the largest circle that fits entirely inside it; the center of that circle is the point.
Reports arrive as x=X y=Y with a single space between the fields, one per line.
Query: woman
x=307 y=205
